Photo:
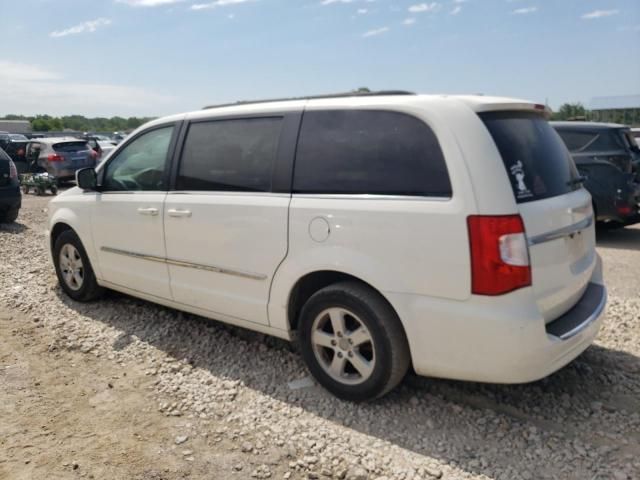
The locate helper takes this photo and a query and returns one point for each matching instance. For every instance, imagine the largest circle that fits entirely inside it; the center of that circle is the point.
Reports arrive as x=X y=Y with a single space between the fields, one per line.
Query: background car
x=107 y=147
x=14 y=145
x=607 y=156
x=60 y=157
x=10 y=196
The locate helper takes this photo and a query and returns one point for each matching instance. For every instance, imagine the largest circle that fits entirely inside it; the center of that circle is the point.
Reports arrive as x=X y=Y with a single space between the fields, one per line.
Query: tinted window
x=369 y=152
x=609 y=140
x=537 y=161
x=141 y=164
x=230 y=155
x=577 y=141
x=70 y=147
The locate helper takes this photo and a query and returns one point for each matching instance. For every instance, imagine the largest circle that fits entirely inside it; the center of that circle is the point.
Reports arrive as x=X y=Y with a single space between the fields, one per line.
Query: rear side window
x=577 y=141
x=369 y=152
x=70 y=146
x=230 y=155
x=594 y=141
x=535 y=157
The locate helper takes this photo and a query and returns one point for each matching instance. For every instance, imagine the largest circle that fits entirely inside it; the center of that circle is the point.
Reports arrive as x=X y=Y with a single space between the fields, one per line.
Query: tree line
x=46 y=123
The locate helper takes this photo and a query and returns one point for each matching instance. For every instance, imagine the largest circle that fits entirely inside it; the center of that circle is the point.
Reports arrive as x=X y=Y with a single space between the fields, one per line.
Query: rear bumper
x=497 y=340
x=66 y=173
x=63 y=173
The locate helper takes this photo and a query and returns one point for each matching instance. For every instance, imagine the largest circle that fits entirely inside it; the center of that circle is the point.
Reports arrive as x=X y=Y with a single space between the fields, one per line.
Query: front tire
x=352 y=342
x=73 y=268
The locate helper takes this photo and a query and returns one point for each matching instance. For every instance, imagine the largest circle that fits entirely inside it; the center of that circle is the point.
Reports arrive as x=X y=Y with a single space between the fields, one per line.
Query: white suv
x=450 y=234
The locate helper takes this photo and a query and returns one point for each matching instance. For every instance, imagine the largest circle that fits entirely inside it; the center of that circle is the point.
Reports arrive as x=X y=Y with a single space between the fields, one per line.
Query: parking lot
x=122 y=388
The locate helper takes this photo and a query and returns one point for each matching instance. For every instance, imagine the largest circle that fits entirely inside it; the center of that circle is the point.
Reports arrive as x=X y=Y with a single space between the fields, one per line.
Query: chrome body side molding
x=180 y=263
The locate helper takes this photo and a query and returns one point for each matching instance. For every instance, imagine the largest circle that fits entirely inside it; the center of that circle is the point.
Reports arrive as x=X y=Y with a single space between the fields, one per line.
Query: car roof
x=477 y=103
x=587 y=125
x=57 y=140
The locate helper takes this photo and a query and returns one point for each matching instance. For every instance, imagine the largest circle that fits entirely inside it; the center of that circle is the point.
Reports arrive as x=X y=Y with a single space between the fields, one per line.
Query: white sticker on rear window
x=517 y=170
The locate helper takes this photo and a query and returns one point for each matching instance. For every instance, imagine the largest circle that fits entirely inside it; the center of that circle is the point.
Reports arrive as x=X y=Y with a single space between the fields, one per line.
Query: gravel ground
x=123 y=388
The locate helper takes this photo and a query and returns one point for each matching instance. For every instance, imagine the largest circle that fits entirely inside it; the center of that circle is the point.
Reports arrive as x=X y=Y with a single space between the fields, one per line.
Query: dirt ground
x=79 y=412
x=70 y=415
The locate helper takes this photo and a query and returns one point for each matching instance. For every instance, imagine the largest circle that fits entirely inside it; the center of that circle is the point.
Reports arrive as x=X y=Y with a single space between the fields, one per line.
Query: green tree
x=571 y=111
x=40 y=125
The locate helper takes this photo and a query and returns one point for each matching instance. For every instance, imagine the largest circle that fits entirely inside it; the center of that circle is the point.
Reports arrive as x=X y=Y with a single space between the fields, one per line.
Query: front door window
x=140 y=166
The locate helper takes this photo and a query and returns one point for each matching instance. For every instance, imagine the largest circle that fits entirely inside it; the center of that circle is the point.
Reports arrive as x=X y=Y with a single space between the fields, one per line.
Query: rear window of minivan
x=537 y=161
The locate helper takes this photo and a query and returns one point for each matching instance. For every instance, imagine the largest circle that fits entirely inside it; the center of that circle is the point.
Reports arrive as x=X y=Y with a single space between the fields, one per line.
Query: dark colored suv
x=10 y=196
x=607 y=156
x=15 y=146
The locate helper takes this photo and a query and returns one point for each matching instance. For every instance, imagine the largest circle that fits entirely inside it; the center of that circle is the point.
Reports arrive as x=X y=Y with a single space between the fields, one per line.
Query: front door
x=127 y=220
x=226 y=232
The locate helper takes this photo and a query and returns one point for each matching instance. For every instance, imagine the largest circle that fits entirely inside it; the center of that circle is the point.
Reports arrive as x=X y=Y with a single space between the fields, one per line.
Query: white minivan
x=449 y=234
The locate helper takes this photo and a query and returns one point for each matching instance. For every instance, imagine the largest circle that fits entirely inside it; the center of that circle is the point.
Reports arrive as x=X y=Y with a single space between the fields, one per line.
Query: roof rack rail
x=314 y=97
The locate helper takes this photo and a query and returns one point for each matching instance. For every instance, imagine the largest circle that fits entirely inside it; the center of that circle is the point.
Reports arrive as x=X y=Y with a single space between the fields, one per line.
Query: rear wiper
x=577 y=181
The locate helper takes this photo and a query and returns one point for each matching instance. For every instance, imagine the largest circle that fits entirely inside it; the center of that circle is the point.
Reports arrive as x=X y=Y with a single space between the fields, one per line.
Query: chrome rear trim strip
x=562 y=232
x=180 y=263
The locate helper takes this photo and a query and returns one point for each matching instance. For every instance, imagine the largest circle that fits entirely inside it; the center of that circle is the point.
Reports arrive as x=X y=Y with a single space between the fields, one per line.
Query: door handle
x=148 y=211
x=179 y=213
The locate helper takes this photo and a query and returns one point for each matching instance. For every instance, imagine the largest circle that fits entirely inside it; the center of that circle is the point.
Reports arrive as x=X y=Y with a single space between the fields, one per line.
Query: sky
x=158 y=57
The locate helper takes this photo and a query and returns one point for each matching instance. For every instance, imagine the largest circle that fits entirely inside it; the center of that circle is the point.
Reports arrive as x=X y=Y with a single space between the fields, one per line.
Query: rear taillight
x=499 y=254
x=54 y=157
x=13 y=171
x=94 y=154
x=624 y=210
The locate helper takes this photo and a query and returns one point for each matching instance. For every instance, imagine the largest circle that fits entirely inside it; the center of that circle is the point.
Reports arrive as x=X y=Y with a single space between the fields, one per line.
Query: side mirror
x=86 y=179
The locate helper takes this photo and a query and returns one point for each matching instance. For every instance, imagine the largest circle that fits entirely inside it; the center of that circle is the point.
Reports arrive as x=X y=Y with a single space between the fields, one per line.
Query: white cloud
x=330 y=2
x=218 y=3
x=456 y=10
x=24 y=72
x=362 y=11
x=148 y=3
x=524 y=11
x=376 y=32
x=29 y=89
x=84 y=27
x=409 y=21
x=424 y=7
x=599 y=14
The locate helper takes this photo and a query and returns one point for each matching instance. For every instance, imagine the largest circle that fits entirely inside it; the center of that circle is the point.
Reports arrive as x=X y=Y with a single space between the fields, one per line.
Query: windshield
x=18 y=138
x=537 y=161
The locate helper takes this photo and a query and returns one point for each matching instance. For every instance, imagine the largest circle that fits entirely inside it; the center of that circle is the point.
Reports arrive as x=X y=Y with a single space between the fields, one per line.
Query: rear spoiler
x=515 y=106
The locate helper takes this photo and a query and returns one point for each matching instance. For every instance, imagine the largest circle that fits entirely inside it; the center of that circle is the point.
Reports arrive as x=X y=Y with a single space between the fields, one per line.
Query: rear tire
x=10 y=215
x=73 y=268
x=352 y=341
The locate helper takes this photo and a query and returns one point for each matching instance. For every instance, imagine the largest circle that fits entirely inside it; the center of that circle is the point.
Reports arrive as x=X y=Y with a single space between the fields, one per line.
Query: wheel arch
x=57 y=229
x=63 y=219
x=312 y=282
